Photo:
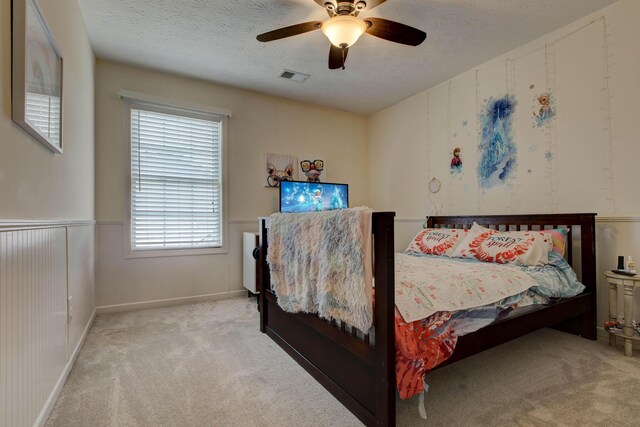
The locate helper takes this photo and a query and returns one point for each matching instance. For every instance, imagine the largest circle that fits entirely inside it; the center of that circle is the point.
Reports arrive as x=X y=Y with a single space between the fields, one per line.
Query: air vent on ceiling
x=294 y=75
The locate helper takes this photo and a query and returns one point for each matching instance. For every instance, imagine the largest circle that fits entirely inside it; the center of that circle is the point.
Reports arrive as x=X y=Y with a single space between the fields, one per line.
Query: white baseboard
x=53 y=397
x=116 y=308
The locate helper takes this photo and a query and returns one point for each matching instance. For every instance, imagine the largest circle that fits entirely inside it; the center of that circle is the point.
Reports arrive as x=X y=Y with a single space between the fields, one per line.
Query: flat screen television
x=299 y=196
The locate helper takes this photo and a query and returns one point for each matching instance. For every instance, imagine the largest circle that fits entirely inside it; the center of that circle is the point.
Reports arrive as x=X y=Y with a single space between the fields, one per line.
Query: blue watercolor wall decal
x=497 y=150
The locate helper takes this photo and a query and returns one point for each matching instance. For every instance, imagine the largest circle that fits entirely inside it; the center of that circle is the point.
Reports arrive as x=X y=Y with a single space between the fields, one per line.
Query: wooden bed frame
x=360 y=370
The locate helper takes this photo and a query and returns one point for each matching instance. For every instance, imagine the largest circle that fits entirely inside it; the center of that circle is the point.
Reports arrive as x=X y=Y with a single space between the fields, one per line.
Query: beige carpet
x=208 y=365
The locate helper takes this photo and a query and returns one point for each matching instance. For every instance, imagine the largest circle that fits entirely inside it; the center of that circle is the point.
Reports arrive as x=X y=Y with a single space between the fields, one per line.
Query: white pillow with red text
x=505 y=247
x=436 y=241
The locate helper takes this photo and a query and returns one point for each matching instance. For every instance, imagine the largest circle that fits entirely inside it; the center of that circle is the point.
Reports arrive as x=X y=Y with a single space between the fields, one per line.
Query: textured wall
x=585 y=160
x=260 y=124
x=34 y=182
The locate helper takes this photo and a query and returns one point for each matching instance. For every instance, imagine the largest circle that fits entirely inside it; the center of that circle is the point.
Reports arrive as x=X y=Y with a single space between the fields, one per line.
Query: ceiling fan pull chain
x=343 y=58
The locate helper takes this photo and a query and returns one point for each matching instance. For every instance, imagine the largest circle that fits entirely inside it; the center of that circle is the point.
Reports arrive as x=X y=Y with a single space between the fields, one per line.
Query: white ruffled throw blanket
x=320 y=263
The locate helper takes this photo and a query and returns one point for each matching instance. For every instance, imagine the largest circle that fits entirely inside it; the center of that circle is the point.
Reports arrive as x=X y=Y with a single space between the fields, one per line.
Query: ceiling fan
x=343 y=28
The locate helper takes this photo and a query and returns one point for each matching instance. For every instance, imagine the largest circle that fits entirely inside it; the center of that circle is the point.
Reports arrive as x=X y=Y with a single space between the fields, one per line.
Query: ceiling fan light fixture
x=343 y=30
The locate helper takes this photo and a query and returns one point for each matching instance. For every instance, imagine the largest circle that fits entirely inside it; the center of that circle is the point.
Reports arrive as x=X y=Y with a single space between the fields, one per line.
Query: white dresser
x=249 y=243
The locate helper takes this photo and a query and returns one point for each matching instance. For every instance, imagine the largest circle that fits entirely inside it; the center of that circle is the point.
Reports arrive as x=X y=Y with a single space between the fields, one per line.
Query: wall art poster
x=280 y=167
x=36 y=76
x=497 y=149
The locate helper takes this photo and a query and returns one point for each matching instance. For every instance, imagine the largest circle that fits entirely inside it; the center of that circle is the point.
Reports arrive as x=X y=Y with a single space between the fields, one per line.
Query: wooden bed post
x=358 y=373
x=384 y=264
x=588 y=256
x=265 y=276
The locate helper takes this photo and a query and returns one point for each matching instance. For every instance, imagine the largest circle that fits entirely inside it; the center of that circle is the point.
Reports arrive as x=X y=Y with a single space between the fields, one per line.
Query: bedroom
x=387 y=148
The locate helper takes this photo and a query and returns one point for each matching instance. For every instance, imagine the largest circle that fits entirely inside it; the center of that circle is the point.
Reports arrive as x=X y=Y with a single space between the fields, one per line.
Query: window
x=176 y=193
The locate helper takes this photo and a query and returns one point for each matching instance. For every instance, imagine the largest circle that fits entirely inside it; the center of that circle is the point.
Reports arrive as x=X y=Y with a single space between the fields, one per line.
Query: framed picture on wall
x=36 y=98
x=280 y=167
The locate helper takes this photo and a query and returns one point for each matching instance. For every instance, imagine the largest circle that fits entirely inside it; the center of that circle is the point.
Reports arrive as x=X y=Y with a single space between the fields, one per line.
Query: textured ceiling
x=216 y=40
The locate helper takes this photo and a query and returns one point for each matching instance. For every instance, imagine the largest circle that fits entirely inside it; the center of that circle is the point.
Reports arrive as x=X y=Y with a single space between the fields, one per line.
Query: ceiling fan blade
x=292 y=30
x=336 y=60
x=395 y=32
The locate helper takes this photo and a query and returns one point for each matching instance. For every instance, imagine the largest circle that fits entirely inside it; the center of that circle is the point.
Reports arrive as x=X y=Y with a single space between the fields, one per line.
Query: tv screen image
x=296 y=196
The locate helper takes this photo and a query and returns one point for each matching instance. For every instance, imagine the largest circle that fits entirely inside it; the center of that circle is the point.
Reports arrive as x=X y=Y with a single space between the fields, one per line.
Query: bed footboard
x=358 y=370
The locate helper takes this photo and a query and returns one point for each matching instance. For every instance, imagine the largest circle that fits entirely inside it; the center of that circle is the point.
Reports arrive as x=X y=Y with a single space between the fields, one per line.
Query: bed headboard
x=582 y=232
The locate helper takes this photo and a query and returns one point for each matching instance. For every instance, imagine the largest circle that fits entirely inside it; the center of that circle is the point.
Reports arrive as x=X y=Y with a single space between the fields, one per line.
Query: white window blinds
x=43 y=113
x=176 y=179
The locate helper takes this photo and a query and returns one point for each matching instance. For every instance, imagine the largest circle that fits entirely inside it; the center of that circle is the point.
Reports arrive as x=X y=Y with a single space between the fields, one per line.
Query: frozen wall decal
x=456 y=162
x=545 y=110
x=497 y=150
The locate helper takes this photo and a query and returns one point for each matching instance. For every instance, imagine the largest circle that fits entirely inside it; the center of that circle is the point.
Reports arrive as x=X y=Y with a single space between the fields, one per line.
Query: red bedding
x=421 y=346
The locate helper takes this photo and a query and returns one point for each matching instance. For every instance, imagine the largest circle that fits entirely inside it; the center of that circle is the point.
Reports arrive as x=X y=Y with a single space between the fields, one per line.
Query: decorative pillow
x=559 y=237
x=436 y=241
x=505 y=247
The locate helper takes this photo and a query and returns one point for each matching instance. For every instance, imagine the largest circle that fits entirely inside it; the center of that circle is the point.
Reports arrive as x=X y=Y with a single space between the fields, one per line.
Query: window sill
x=175 y=252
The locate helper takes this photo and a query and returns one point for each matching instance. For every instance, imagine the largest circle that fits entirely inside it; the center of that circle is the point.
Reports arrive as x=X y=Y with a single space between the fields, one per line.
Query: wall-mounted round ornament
x=434 y=185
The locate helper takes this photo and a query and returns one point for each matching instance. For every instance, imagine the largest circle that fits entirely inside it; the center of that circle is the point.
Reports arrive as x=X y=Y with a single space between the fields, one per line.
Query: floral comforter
x=434 y=293
x=429 y=284
x=421 y=346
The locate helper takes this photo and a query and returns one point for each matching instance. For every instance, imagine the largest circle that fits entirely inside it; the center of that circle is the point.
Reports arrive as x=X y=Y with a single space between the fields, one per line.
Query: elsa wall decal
x=544 y=111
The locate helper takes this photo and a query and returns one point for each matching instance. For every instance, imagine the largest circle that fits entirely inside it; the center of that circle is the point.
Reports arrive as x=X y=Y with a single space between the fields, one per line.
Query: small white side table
x=629 y=283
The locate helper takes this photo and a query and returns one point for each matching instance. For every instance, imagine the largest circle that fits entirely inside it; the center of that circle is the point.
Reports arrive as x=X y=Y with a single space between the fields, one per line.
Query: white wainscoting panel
x=81 y=282
x=33 y=320
x=42 y=264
